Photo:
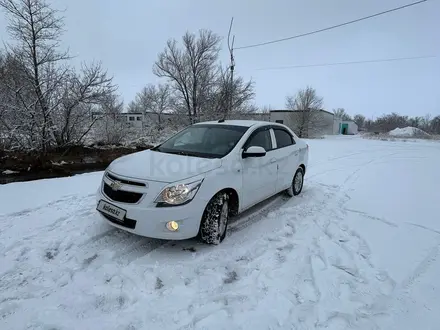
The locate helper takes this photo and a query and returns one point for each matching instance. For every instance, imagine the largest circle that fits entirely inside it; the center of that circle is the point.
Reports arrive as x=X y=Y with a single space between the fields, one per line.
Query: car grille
x=121 y=195
x=129 y=182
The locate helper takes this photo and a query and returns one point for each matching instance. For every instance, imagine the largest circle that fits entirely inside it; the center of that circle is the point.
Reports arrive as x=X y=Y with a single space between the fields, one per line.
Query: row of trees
x=45 y=102
x=388 y=122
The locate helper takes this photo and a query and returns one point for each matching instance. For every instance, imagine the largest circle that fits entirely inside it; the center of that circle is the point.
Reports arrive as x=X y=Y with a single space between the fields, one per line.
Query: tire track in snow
x=353 y=245
x=306 y=291
x=389 y=286
x=401 y=293
x=357 y=153
x=139 y=249
x=424 y=227
x=372 y=217
x=421 y=268
x=116 y=246
x=360 y=166
x=257 y=213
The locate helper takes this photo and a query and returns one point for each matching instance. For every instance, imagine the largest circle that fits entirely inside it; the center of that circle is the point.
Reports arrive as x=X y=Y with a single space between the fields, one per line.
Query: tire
x=212 y=228
x=295 y=190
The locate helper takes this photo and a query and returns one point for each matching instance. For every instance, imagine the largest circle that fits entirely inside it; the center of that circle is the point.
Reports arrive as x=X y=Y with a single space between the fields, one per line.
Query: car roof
x=237 y=122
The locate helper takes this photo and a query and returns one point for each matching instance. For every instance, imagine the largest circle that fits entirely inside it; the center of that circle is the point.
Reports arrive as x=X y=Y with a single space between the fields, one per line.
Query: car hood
x=158 y=166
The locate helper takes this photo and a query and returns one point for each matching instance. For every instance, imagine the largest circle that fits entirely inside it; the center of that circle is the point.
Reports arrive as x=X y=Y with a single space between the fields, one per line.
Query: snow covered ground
x=359 y=249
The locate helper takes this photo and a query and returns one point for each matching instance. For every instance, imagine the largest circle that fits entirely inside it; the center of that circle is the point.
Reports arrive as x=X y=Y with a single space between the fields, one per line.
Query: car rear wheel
x=215 y=219
x=297 y=183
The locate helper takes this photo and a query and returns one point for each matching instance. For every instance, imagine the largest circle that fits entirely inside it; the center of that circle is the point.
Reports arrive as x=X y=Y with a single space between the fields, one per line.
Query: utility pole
x=231 y=68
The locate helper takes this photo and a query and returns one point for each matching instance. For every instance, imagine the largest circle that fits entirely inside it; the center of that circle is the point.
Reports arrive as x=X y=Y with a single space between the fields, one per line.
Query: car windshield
x=204 y=140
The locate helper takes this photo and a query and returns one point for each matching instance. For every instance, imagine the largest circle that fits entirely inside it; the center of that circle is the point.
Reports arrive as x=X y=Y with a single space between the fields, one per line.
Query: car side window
x=283 y=138
x=260 y=139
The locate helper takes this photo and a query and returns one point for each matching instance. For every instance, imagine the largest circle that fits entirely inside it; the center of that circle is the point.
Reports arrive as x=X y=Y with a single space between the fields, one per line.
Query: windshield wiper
x=185 y=153
x=174 y=152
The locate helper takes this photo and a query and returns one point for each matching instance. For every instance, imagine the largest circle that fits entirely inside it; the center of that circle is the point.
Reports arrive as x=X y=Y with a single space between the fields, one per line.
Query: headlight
x=178 y=194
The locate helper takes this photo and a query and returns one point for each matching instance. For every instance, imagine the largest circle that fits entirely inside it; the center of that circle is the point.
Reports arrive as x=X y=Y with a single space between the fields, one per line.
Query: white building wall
x=324 y=125
x=352 y=127
x=283 y=117
x=134 y=119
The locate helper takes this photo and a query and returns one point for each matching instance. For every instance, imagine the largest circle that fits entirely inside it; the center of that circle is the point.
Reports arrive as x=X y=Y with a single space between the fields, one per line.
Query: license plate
x=111 y=210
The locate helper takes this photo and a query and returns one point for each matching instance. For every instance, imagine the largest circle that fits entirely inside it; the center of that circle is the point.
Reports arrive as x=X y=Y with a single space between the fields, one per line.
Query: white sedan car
x=191 y=184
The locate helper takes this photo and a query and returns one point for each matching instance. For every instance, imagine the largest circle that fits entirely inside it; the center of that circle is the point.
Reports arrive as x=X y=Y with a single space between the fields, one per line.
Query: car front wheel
x=215 y=219
x=297 y=183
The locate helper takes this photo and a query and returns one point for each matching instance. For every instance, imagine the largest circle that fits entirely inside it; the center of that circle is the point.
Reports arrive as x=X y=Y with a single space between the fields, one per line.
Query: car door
x=286 y=153
x=259 y=173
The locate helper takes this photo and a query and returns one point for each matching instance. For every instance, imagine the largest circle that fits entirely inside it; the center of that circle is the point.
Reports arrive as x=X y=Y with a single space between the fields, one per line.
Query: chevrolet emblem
x=116 y=185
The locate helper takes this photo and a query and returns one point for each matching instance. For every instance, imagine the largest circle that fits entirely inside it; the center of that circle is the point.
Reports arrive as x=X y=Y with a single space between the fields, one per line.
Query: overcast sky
x=127 y=36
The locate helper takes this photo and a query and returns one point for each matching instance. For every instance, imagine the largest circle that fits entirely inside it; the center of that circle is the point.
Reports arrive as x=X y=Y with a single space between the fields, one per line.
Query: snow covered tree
x=56 y=101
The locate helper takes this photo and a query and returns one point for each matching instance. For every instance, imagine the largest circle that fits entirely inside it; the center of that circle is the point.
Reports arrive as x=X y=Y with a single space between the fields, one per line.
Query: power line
x=347 y=63
x=332 y=27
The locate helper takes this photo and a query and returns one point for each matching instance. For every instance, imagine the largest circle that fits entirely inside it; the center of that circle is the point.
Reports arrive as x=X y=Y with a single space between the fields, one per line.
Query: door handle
x=273 y=160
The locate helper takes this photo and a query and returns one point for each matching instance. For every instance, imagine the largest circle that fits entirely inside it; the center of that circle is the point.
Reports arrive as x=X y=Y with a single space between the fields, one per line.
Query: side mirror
x=254 y=151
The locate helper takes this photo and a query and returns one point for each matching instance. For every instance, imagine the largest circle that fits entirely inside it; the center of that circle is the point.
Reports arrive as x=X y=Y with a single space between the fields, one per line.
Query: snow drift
x=408 y=132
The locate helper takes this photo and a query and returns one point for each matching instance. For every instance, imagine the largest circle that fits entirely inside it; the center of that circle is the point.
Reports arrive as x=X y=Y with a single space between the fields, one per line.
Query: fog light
x=172 y=225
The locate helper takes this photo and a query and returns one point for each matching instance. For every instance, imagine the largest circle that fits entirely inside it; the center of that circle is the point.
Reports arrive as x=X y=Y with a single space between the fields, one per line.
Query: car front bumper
x=151 y=221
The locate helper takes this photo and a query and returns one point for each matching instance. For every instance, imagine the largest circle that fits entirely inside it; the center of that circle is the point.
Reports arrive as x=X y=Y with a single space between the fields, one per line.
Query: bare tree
x=156 y=99
x=307 y=116
x=191 y=70
x=219 y=96
x=341 y=113
x=359 y=120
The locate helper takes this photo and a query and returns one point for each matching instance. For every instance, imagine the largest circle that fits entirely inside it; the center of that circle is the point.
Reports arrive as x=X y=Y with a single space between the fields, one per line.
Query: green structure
x=343 y=128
